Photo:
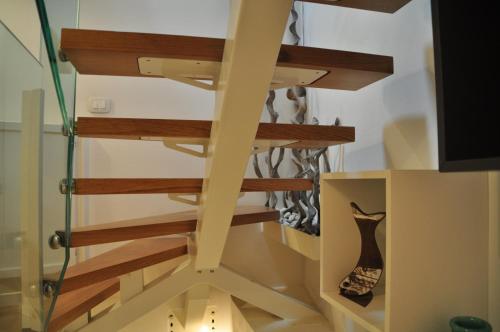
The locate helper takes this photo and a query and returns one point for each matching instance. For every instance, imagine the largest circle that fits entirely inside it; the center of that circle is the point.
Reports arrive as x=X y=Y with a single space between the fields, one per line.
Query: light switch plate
x=99 y=105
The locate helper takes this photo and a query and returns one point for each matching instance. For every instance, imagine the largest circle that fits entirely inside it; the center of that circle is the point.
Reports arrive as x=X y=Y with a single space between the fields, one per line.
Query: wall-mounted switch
x=99 y=105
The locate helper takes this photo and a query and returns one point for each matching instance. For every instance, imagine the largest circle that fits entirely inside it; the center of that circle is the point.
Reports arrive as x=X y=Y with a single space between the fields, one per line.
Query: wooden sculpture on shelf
x=358 y=285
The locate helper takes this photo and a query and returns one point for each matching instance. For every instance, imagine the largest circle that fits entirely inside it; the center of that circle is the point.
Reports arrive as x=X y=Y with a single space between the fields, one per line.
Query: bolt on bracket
x=64 y=185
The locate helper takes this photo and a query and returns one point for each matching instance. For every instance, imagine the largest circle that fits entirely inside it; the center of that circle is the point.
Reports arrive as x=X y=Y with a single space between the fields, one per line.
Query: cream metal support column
x=255 y=32
x=131 y=284
x=239 y=321
x=196 y=302
x=174 y=322
x=31 y=209
x=220 y=304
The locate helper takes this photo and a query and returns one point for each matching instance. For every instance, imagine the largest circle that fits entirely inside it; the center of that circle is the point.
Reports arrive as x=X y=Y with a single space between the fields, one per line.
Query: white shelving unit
x=434 y=242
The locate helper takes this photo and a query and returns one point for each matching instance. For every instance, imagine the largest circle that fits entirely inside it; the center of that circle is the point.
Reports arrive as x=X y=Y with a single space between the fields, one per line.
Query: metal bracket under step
x=205 y=74
x=264 y=145
x=177 y=145
x=181 y=198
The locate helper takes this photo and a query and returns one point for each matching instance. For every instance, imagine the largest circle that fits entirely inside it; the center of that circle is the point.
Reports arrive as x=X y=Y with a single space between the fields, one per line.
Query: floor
x=10 y=310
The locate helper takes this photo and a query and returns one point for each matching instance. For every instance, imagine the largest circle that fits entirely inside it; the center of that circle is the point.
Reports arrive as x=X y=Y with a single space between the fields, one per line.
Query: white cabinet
x=434 y=242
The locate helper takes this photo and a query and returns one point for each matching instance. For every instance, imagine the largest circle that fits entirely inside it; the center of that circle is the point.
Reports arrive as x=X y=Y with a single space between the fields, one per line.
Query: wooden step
x=71 y=305
x=133 y=256
x=166 y=224
x=385 y=6
x=106 y=186
x=118 y=54
x=186 y=131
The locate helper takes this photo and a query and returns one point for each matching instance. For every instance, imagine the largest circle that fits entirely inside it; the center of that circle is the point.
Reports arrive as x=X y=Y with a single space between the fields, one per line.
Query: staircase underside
x=94 y=52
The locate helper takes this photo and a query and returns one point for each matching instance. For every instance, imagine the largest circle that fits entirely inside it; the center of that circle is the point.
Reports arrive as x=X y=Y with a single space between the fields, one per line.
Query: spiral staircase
x=240 y=70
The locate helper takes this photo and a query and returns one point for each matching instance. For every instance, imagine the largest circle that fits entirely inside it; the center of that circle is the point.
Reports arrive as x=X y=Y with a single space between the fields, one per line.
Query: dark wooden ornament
x=358 y=285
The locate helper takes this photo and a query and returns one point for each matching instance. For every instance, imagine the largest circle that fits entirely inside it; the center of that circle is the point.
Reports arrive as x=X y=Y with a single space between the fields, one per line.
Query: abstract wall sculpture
x=299 y=210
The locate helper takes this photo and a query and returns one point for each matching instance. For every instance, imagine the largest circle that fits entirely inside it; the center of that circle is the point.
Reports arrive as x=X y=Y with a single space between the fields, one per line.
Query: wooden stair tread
x=385 y=6
x=133 y=256
x=113 y=186
x=71 y=305
x=273 y=134
x=116 y=53
x=165 y=224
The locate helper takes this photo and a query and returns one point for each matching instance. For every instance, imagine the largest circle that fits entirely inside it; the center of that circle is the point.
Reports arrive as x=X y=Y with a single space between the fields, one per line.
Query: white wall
x=21 y=17
x=395 y=118
x=143 y=97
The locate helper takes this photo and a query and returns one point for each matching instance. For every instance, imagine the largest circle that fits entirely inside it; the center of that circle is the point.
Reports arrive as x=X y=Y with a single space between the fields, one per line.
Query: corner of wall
x=494 y=248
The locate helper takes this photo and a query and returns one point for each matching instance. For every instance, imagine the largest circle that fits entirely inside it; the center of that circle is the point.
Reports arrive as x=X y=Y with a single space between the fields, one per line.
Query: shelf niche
x=434 y=241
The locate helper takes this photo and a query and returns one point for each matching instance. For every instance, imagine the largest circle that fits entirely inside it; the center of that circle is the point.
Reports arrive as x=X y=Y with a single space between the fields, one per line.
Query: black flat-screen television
x=467 y=61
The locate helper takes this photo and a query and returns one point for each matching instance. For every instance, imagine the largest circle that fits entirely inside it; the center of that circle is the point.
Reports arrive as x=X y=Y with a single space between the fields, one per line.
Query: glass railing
x=21 y=173
x=59 y=85
x=37 y=95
